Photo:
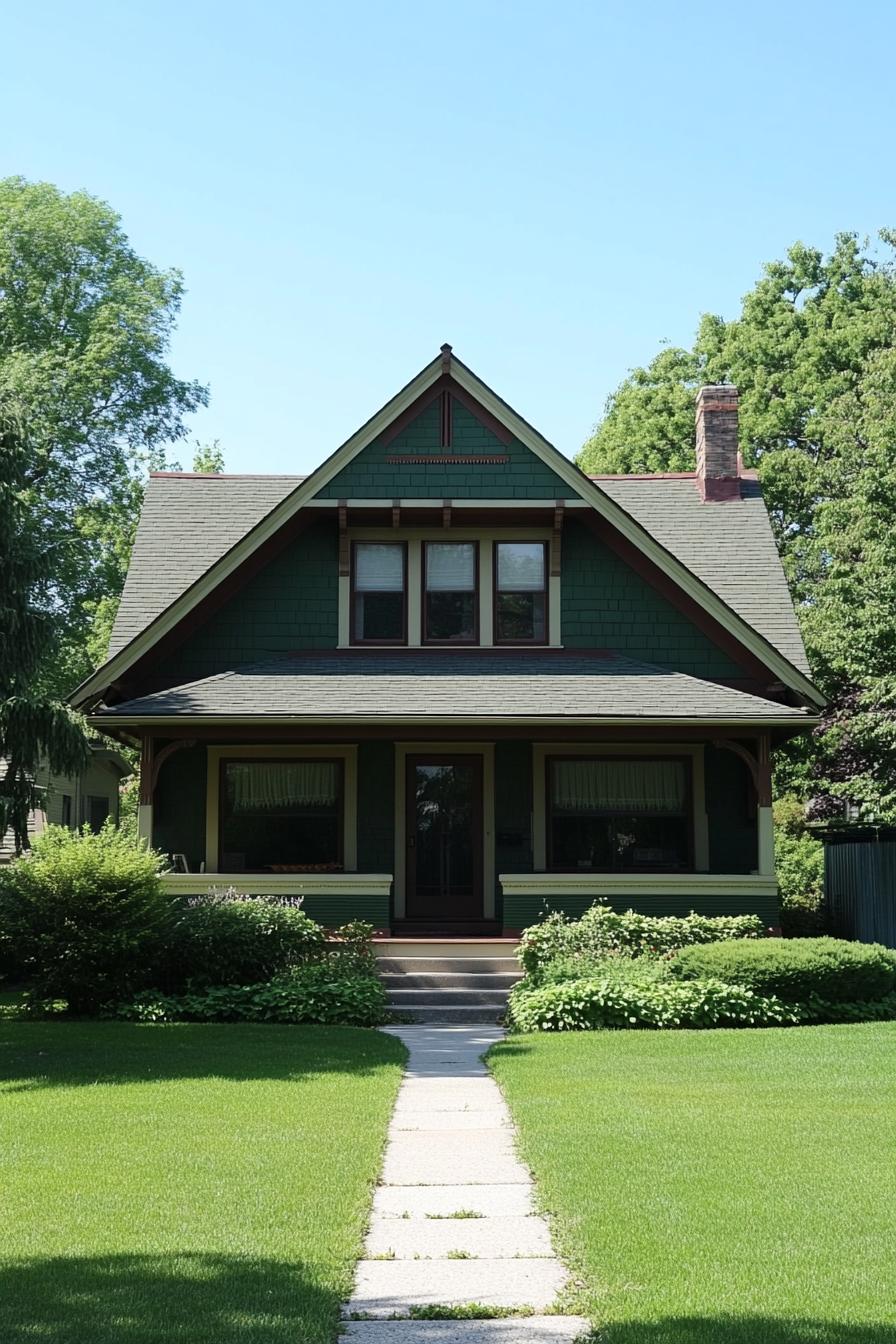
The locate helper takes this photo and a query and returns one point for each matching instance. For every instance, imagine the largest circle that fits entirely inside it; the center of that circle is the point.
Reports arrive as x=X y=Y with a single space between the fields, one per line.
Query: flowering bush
x=601 y=930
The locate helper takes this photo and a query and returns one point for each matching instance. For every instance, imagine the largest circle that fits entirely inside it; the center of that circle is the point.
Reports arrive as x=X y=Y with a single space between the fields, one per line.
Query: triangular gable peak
x=422 y=421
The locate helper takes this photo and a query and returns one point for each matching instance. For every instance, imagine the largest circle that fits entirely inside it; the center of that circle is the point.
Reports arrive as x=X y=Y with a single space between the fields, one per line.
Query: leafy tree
x=813 y=353
x=209 y=457
x=85 y=327
x=33 y=726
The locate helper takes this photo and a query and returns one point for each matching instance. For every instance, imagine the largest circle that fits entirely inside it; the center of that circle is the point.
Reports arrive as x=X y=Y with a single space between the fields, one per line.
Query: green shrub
x=317 y=993
x=601 y=930
x=229 y=939
x=588 y=1005
x=619 y=967
x=86 y=915
x=795 y=969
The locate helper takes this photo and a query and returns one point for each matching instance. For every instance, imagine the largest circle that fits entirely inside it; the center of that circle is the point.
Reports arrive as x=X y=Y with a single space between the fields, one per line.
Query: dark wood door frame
x=471 y=905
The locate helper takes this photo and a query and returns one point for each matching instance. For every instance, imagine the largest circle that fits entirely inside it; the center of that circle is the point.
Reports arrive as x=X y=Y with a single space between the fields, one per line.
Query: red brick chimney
x=717 y=465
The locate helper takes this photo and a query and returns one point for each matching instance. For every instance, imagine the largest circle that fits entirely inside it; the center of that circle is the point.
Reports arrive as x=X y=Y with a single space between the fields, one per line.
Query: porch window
x=451 y=599
x=281 y=816
x=609 y=814
x=520 y=592
x=379 y=587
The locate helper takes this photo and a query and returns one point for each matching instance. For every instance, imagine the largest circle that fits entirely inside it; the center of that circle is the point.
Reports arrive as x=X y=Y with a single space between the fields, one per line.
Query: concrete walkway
x=453 y=1221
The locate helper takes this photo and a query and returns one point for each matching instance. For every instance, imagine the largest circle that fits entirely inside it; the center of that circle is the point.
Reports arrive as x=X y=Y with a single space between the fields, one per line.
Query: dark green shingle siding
x=292 y=604
x=371 y=476
x=607 y=605
x=376 y=807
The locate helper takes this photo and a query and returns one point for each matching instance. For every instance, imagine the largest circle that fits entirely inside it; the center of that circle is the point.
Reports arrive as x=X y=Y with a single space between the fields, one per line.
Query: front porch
x=476 y=837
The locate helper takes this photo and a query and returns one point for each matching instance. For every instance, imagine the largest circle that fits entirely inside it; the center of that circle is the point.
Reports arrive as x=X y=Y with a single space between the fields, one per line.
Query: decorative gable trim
x=445 y=370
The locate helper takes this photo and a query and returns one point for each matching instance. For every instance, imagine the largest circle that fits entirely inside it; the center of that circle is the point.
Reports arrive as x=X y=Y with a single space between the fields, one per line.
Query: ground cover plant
x=189 y=1184
x=723 y=1187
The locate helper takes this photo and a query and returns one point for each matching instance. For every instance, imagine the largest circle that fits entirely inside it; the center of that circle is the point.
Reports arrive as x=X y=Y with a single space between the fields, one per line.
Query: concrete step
x=448 y=966
x=447 y=980
x=423 y=1014
x=445 y=947
x=448 y=995
x=512 y=1330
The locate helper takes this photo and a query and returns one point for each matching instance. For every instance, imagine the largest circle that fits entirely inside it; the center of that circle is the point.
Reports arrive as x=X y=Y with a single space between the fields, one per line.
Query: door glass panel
x=444 y=800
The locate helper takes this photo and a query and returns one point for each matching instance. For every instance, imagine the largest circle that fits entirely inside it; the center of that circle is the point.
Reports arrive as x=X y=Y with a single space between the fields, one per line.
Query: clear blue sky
x=554 y=188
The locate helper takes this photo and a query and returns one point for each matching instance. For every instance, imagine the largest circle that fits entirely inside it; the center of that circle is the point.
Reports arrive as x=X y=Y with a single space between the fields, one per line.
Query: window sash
x=379 y=567
x=521 y=566
x=450 y=567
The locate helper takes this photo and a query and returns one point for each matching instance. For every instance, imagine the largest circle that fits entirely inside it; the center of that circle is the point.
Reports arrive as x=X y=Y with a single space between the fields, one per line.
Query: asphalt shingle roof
x=189 y=522
x=419 y=683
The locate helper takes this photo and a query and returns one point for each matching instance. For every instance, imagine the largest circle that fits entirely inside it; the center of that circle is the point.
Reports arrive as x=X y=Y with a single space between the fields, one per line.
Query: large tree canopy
x=33 y=727
x=85 y=326
x=813 y=353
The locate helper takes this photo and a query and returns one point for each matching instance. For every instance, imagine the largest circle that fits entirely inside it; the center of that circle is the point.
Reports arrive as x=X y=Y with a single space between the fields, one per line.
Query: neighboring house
x=447 y=679
x=73 y=800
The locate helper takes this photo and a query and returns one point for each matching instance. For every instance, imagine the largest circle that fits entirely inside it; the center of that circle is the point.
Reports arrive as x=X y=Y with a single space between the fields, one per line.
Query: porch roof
x=410 y=684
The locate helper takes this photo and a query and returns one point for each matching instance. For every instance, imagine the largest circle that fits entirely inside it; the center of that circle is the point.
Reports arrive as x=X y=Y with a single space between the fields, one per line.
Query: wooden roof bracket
x=446 y=512
x=556 y=537
x=344 y=557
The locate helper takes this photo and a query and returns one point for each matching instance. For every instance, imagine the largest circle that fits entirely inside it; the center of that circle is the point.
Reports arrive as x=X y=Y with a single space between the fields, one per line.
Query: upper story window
x=521 y=592
x=450 y=592
x=379 y=593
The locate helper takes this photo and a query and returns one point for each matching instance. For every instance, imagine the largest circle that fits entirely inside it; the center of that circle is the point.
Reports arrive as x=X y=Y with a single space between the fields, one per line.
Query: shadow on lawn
x=162 y=1299
x=747 y=1330
x=79 y=1053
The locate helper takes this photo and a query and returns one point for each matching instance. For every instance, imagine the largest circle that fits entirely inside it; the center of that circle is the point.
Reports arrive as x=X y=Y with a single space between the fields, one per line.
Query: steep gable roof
x=601 y=497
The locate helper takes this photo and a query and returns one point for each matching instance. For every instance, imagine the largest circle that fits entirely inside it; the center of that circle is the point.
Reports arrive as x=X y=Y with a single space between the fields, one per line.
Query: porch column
x=766 y=830
x=144 y=801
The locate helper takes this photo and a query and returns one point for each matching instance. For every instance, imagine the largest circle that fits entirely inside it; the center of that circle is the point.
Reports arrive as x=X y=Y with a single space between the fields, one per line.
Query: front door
x=444 y=837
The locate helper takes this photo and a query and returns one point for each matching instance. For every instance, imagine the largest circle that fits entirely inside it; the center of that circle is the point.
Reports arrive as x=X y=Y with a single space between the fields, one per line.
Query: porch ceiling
x=414 y=684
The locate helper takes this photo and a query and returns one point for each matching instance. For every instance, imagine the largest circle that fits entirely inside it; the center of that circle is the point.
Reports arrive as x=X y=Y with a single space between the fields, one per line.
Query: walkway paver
x=453 y=1221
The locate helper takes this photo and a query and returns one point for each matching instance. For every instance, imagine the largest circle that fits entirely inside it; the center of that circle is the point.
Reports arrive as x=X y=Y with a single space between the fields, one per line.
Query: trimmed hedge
x=322 y=993
x=601 y=930
x=588 y=1005
x=796 y=970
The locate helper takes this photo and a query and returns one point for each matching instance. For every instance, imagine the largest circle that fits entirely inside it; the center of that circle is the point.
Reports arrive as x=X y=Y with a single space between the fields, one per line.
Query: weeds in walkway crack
x=458 y=1213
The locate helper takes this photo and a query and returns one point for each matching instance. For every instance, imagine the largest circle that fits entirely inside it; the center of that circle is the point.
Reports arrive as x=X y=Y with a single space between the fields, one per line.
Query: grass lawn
x=718 y=1187
x=184 y=1183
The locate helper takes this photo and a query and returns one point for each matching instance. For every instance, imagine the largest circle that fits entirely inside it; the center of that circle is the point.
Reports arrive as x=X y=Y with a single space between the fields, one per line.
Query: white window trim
x=414 y=538
x=542 y=750
x=347 y=754
x=487 y=751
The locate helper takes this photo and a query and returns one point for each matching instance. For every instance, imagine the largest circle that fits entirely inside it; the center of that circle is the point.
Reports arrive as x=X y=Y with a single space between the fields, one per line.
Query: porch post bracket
x=759 y=766
x=147 y=782
x=559 y=506
x=159 y=759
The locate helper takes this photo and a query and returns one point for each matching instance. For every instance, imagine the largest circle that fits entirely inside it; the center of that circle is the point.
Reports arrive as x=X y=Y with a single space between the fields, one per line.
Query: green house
x=447 y=681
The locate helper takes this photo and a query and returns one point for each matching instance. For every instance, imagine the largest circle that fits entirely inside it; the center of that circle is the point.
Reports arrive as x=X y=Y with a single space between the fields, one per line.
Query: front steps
x=448 y=980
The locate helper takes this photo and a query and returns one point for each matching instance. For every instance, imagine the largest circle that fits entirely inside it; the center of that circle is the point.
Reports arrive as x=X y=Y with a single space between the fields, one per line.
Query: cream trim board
x=542 y=750
x=282 y=884
x=414 y=539
x=530 y=438
x=637 y=884
x=487 y=751
x=347 y=754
